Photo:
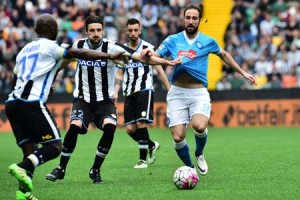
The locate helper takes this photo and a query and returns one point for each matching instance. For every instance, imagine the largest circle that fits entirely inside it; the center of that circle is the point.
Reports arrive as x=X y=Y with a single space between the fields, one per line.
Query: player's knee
x=142 y=124
x=199 y=123
x=199 y=127
x=77 y=123
x=80 y=129
x=130 y=129
x=178 y=137
x=200 y=130
x=109 y=121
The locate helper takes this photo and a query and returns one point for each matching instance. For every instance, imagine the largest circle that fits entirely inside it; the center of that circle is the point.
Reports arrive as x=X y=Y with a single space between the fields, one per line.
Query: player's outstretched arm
x=154 y=60
x=95 y=55
x=228 y=60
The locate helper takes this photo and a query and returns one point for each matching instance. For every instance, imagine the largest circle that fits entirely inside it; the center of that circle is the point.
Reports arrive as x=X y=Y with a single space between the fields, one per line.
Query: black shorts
x=94 y=112
x=138 y=106
x=31 y=122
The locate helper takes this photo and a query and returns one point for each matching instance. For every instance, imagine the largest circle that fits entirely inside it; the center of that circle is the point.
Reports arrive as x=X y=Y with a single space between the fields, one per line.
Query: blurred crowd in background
x=263 y=35
x=264 y=38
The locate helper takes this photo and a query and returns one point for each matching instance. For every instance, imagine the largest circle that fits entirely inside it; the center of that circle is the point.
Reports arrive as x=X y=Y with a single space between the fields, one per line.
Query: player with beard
x=138 y=91
x=93 y=98
x=188 y=100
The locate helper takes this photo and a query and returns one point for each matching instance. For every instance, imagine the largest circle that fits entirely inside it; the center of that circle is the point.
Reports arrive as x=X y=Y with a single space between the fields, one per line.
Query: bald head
x=46 y=27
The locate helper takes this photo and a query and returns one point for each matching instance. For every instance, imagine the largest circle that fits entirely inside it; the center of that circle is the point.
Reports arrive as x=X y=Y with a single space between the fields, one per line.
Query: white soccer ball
x=185 y=178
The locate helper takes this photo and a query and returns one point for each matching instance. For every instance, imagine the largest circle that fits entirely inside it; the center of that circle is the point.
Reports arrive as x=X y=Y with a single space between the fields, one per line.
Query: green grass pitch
x=244 y=163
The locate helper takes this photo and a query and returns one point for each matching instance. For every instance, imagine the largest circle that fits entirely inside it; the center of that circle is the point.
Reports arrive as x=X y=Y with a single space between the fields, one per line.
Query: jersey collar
x=188 y=40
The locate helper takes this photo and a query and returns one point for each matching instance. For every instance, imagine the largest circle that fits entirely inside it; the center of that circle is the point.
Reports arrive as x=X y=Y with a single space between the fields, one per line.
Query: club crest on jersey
x=92 y=63
x=191 y=54
x=161 y=47
x=199 y=45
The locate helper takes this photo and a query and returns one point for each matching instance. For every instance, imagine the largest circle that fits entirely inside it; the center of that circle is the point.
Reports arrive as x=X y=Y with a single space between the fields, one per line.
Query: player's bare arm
x=162 y=76
x=228 y=60
x=147 y=52
x=118 y=85
x=154 y=60
x=65 y=62
x=94 y=55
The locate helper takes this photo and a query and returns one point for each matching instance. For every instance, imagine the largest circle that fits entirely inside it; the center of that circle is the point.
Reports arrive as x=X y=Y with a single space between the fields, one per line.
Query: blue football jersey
x=194 y=56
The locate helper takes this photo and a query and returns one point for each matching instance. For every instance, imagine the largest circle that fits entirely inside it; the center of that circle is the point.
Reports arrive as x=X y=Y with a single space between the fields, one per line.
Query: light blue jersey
x=194 y=56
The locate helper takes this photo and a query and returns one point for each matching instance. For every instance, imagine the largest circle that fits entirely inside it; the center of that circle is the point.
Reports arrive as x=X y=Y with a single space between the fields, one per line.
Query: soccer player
x=139 y=95
x=31 y=121
x=188 y=100
x=93 y=99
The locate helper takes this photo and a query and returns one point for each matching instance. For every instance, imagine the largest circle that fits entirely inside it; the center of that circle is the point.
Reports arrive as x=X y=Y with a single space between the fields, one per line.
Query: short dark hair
x=195 y=7
x=46 y=26
x=132 y=21
x=93 y=19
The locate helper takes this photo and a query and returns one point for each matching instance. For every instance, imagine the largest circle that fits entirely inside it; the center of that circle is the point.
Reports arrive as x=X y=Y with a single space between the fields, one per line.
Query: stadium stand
x=253 y=29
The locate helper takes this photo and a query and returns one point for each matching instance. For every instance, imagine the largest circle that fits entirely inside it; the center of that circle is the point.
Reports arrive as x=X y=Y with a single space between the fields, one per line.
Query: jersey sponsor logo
x=92 y=63
x=134 y=65
x=191 y=54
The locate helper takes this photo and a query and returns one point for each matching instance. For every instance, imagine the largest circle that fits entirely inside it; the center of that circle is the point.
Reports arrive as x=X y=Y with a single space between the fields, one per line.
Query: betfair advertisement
x=233 y=113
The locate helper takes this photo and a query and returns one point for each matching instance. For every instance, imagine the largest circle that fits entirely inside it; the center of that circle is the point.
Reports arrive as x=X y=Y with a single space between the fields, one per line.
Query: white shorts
x=183 y=103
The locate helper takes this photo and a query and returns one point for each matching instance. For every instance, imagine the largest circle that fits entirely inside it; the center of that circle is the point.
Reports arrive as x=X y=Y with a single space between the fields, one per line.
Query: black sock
x=143 y=138
x=69 y=145
x=46 y=153
x=151 y=144
x=133 y=136
x=28 y=166
x=42 y=155
x=28 y=149
x=104 y=145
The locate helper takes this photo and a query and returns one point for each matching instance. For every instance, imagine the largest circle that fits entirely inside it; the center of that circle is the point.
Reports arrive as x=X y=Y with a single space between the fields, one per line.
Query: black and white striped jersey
x=138 y=76
x=95 y=79
x=36 y=68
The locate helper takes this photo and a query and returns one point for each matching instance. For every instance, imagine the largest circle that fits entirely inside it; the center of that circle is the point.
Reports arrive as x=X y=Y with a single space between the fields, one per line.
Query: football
x=185 y=178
